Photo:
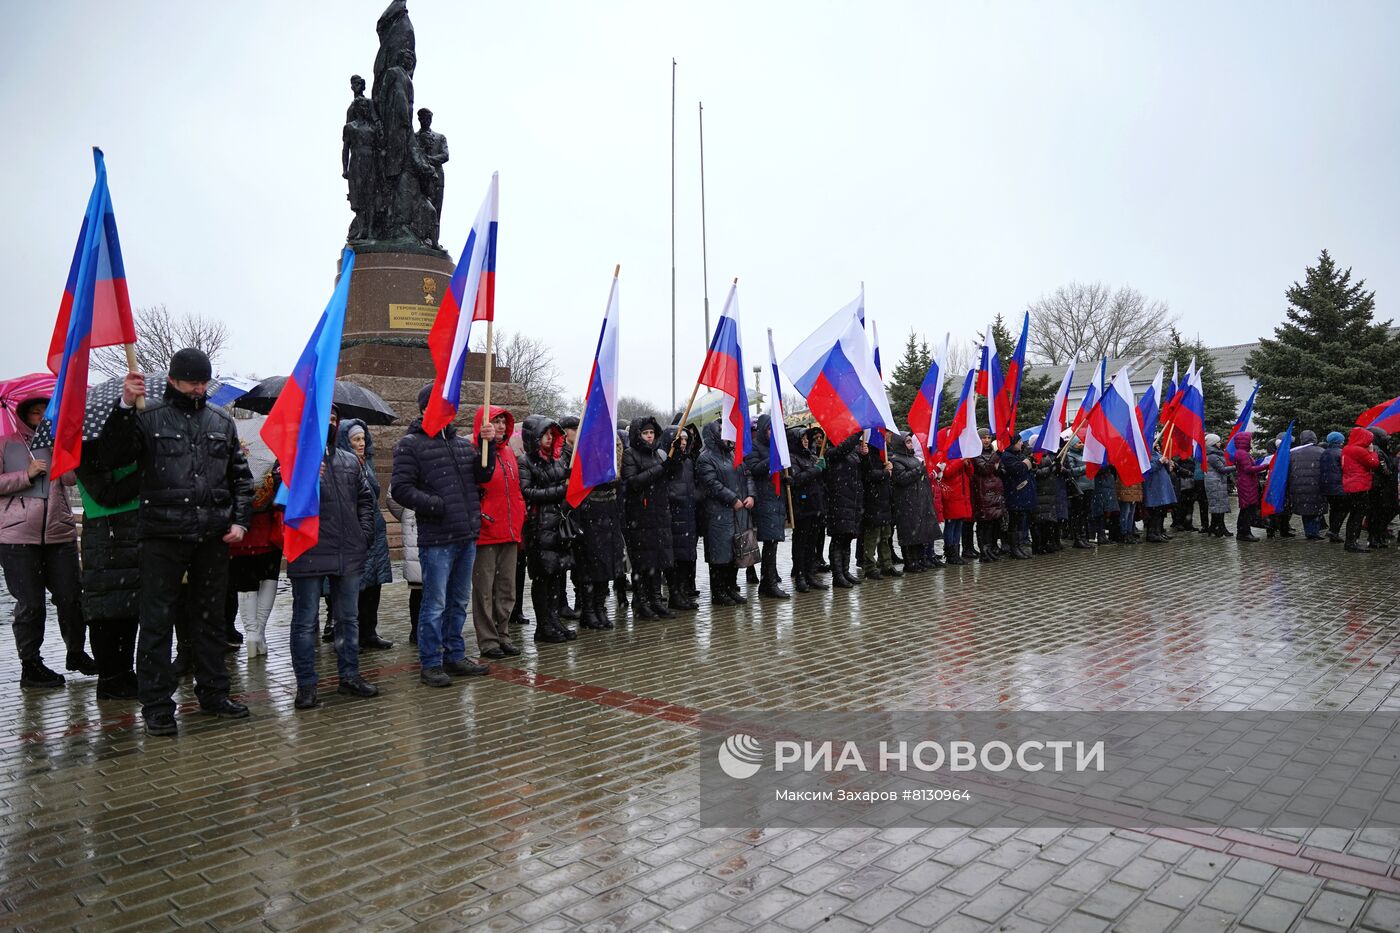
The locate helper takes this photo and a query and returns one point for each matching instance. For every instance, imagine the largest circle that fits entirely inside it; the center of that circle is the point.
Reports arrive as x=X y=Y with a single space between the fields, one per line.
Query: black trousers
x=1358 y=504
x=32 y=569
x=165 y=563
x=1247 y=521
x=1337 y=509
x=369 y=611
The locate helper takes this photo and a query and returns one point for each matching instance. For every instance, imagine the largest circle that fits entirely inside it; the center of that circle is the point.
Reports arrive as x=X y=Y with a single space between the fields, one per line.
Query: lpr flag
x=1275 y=496
x=1385 y=416
x=779 y=458
x=297 y=428
x=473 y=287
x=595 y=449
x=95 y=312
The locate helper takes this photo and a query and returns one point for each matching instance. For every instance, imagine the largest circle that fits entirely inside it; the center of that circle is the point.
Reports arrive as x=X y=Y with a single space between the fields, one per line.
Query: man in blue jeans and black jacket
x=437 y=477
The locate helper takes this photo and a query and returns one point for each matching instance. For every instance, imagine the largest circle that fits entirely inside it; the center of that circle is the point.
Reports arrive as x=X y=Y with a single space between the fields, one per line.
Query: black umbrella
x=105 y=396
x=351 y=400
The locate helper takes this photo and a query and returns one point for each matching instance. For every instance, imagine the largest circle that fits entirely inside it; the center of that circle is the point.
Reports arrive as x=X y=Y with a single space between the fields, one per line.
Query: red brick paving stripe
x=1240 y=843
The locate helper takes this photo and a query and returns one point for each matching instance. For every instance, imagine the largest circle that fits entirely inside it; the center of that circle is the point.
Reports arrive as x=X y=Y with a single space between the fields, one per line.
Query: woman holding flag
x=770 y=506
x=726 y=492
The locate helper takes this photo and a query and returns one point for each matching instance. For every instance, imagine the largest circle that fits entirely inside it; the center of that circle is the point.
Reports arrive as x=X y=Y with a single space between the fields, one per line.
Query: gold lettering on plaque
x=411 y=317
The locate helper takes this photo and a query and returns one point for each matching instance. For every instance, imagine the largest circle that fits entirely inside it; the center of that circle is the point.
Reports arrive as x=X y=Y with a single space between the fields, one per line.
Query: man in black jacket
x=337 y=559
x=196 y=499
x=437 y=477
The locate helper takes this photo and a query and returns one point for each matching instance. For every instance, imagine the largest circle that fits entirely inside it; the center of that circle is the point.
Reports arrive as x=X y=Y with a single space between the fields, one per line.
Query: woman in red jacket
x=1359 y=461
x=955 y=488
x=498 y=547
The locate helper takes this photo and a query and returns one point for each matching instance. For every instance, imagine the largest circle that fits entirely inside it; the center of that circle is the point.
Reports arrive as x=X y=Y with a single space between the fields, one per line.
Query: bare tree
x=1091 y=320
x=531 y=363
x=159 y=334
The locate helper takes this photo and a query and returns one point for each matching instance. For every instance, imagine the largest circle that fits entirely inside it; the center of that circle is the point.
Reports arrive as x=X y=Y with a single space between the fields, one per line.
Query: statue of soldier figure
x=434 y=148
x=359 y=163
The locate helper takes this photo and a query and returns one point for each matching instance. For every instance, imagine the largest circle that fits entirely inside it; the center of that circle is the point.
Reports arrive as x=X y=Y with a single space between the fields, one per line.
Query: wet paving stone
x=560 y=792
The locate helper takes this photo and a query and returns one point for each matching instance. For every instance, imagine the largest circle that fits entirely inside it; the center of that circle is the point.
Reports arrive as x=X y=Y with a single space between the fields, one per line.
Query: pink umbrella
x=13 y=393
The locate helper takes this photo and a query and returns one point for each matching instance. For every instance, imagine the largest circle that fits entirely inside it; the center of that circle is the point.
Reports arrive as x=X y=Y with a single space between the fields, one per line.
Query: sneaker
x=465 y=668
x=306 y=697
x=36 y=674
x=357 y=686
x=225 y=709
x=434 y=677
x=162 y=724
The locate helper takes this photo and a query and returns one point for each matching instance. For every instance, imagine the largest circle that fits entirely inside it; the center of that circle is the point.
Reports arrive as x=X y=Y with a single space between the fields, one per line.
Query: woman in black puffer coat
x=724 y=491
x=598 y=548
x=911 y=503
x=646 y=475
x=805 y=479
x=845 y=506
x=770 y=505
x=111 y=577
x=544 y=479
x=681 y=497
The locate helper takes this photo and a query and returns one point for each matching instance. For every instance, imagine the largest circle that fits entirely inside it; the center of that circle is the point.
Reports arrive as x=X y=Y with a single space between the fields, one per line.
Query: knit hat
x=191 y=365
x=1335 y=437
x=1212 y=440
x=355 y=430
x=425 y=394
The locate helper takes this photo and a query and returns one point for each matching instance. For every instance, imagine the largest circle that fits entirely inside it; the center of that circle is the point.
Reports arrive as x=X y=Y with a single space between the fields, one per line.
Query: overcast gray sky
x=960 y=158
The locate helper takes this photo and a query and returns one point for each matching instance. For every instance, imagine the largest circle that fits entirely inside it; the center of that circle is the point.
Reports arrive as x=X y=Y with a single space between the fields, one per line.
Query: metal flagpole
x=704 y=250
x=673 y=234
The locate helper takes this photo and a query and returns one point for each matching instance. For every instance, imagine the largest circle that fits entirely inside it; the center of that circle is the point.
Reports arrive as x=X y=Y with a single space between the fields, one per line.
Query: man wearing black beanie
x=196 y=499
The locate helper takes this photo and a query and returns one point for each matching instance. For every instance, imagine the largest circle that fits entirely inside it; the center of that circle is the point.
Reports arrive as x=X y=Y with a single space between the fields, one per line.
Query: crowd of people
x=180 y=539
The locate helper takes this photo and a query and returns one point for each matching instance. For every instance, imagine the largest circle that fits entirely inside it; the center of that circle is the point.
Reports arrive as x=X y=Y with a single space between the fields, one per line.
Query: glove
x=821 y=463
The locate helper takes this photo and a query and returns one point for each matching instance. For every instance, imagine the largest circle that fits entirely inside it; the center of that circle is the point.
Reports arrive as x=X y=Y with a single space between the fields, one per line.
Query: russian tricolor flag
x=1149 y=406
x=473 y=282
x=876 y=437
x=1246 y=413
x=1115 y=436
x=297 y=427
x=1189 y=421
x=595 y=449
x=835 y=371
x=962 y=437
x=1275 y=495
x=724 y=372
x=923 y=413
x=990 y=383
x=95 y=312
x=779 y=458
x=1057 y=417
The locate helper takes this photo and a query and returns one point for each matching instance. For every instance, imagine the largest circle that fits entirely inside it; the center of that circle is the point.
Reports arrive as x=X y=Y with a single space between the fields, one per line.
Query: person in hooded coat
x=806 y=480
x=646 y=475
x=728 y=501
x=1360 y=461
x=598 y=548
x=1103 y=506
x=111 y=552
x=549 y=554
x=680 y=447
x=1305 y=485
x=988 y=498
x=1331 y=468
x=1384 y=492
x=1217 y=483
x=911 y=502
x=498 y=546
x=1019 y=483
x=354 y=436
x=770 y=505
x=955 y=484
x=1049 y=496
x=1246 y=487
x=844 y=497
x=1159 y=496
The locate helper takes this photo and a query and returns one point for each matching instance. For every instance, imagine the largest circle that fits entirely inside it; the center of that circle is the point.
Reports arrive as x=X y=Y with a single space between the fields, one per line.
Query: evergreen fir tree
x=908 y=375
x=1222 y=405
x=1329 y=360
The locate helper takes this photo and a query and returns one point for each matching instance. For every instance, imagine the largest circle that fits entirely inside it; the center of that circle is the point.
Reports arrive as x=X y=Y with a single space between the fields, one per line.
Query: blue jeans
x=1127 y=521
x=1314 y=526
x=345 y=607
x=447 y=593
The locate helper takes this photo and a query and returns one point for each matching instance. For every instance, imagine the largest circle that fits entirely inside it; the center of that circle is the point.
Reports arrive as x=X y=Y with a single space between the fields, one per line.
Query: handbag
x=746 y=550
x=568 y=527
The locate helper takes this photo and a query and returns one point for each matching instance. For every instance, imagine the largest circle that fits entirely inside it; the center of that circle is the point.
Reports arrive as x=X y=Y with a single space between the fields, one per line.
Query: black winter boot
x=719 y=588
x=771 y=584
